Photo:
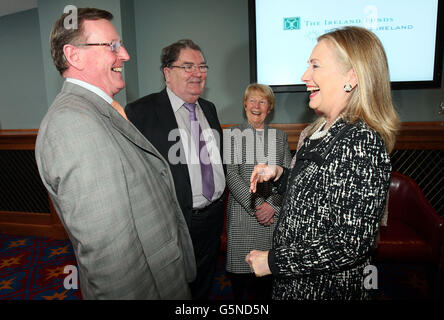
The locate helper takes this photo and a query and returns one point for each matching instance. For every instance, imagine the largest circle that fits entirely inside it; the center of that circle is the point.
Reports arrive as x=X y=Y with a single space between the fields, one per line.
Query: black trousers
x=248 y=286
x=206 y=229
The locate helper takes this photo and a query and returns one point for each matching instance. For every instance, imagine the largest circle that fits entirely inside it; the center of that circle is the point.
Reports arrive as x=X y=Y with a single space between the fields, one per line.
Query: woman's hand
x=262 y=173
x=258 y=261
x=265 y=214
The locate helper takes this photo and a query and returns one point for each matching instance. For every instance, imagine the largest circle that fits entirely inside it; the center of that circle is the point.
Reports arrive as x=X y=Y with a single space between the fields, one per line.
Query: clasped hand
x=258 y=262
x=264 y=214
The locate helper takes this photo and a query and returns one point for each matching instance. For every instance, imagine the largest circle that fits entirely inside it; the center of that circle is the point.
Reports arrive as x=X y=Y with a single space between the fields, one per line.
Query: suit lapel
x=167 y=120
x=214 y=124
x=165 y=115
x=117 y=121
x=212 y=120
x=127 y=129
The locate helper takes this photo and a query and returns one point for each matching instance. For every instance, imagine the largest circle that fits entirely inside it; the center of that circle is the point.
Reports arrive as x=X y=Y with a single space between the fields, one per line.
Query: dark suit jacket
x=154 y=117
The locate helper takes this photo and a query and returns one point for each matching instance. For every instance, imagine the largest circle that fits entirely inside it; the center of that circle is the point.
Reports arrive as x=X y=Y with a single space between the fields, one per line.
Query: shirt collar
x=91 y=88
x=176 y=102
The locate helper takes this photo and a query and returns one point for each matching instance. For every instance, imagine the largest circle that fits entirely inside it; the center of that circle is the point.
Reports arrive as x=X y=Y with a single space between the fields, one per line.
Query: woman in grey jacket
x=251 y=217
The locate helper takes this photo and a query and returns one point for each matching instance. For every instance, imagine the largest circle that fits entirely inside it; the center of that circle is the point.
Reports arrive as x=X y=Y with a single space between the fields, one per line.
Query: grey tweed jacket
x=115 y=196
x=244 y=232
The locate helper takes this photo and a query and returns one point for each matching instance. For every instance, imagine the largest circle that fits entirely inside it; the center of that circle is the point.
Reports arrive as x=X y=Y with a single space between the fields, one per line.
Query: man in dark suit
x=186 y=131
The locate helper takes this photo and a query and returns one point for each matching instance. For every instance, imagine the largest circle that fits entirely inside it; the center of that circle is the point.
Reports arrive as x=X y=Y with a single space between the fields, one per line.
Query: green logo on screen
x=293 y=23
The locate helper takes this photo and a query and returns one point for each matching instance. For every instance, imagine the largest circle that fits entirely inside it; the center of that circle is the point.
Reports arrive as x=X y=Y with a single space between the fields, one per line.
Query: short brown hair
x=60 y=35
x=171 y=53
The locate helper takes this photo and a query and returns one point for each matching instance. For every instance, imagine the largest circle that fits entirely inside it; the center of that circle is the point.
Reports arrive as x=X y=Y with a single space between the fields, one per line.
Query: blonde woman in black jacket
x=336 y=192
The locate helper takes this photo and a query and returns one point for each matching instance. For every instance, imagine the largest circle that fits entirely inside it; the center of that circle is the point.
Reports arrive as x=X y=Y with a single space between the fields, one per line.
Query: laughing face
x=257 y=107
x=186 y=85
x=103 y=67
x=325 y=79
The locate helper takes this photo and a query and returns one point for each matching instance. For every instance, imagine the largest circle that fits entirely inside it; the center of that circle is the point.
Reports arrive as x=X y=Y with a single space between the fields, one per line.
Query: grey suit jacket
x=115 y=196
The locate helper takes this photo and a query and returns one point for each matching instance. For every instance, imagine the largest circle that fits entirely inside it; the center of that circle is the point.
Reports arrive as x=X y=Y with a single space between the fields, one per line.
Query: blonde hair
x=371 y=100
x=263 y=90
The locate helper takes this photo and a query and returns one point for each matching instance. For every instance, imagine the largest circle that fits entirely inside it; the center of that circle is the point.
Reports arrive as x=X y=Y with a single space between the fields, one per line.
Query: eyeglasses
x=254 y=101
x=192 y=67
x=113 y=45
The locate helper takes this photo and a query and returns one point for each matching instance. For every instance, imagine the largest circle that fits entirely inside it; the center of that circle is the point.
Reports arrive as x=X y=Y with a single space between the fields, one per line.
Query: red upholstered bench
x=414 y=231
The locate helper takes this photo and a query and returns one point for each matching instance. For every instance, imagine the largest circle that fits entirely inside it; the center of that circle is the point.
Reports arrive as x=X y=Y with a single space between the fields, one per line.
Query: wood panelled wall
x=413 y=135
x=45 y=224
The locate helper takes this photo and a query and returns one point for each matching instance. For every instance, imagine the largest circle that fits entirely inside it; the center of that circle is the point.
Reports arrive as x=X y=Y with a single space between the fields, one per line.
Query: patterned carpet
x=32 y=268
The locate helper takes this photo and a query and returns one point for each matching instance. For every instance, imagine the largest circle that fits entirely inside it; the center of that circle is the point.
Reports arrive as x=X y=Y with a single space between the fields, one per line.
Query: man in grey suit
x=112 y=189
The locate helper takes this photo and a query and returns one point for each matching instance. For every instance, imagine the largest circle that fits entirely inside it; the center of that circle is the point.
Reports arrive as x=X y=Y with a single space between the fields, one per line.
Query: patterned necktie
x=119 y=109
x=204 y=158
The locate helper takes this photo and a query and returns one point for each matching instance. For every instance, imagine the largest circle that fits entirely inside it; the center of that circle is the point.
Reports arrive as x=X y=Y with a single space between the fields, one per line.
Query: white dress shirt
x=92 y=88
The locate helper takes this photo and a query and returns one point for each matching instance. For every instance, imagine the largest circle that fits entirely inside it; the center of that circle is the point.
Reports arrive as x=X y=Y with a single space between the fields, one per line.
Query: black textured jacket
x=334 y=199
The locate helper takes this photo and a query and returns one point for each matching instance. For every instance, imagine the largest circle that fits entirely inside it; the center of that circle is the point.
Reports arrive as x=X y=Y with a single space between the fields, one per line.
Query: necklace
x=318 y=134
